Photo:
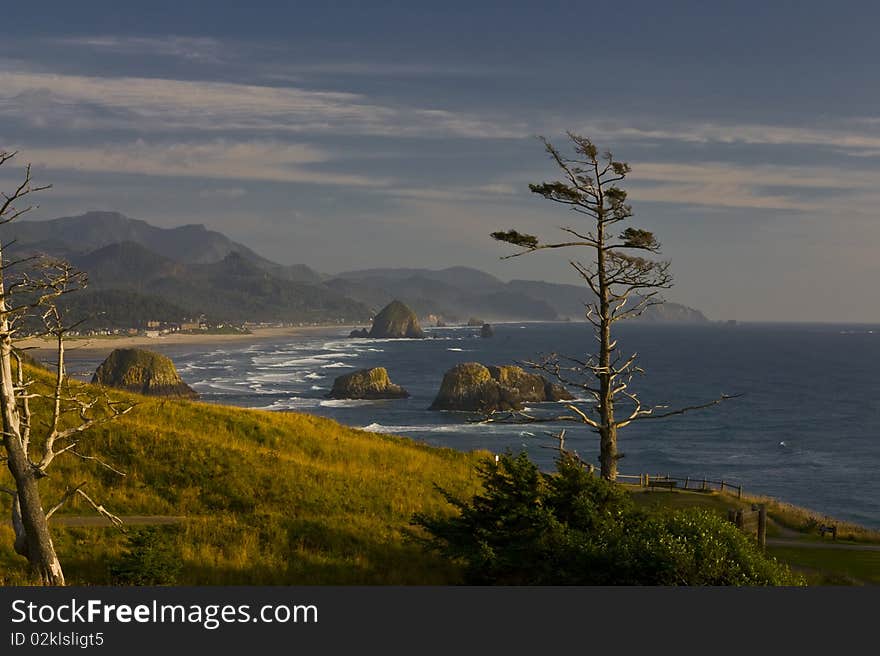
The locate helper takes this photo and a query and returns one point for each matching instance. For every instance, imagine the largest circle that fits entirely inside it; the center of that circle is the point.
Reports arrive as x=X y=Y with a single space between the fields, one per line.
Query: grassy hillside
x=266 y=498
x=246 y=497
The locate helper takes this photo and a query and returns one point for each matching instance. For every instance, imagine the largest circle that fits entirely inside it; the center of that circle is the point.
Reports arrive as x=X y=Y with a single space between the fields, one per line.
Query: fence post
x=739 y=491
x=704 y=485
x=722 y=486
x=762 y=526
x=739 y=519
x=686 y=481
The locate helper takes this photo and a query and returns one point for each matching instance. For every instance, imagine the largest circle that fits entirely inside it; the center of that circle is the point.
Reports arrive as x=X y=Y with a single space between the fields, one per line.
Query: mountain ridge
x=204 y=272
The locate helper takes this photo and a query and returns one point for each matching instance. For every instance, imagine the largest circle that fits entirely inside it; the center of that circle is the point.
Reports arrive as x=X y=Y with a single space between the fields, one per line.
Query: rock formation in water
x=366 y=384
x=359 y=332
x=144 y=372
x=396 y=320
x=474 y=387
x=487 y=330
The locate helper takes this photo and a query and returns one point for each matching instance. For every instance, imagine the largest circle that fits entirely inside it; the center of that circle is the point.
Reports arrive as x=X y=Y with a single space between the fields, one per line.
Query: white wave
x=337 y=365
x=313 y=376
x=293 y=362
x=188 y=367
x=286 y=377
x=257 y=388
x=447 y=428
x=345 y=403
x=461 y=350
x=220 y=386
x=293 y=403
x=331 y=356
x=317 y=387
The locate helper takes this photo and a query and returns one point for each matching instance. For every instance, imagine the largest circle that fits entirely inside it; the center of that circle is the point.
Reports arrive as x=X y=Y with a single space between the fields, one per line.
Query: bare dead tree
x=623 y=283
x=29 y=452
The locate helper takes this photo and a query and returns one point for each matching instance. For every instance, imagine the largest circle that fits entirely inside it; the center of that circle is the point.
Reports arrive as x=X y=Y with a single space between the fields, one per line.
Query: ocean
x=806 y=429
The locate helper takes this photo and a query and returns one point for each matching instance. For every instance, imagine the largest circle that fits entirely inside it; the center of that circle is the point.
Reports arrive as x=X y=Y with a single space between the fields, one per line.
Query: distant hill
x=459 y=292
x=233 y=289
x=139 y=272
x=189 y=244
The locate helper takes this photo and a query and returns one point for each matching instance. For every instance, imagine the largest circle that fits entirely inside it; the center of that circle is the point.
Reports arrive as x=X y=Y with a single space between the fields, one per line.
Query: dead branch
x=68 y=494
x=101 y=510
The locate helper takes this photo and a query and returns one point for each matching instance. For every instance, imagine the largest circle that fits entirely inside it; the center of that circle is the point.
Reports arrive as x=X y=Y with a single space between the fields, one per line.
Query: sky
x=349 y=135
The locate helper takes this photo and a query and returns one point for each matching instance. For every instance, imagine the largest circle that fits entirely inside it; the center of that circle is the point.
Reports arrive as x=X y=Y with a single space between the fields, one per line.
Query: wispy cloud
x=467 y=193
x=219 y=159
x=201 y=49
x=223 y=193
x=727 y=185
x=843 y=136
x=137 y=103
x=296 y=72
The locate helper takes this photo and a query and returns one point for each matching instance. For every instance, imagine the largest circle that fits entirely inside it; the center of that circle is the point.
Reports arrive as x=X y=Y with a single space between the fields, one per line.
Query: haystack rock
x=487 y=330
x=366 y=384
x=474 y=387
x=144 y=372
x=396 y=320
x=359 y=332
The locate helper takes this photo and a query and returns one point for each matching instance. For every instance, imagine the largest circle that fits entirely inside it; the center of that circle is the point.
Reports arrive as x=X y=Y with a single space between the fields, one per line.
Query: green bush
x=571 y=528
x=149 y=559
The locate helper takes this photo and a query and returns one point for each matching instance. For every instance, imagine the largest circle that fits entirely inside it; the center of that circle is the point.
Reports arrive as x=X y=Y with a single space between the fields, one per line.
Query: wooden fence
x=752 y=522
x=687 y=483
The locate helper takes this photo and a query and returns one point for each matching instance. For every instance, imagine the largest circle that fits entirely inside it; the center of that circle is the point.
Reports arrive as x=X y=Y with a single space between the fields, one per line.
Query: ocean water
x=806 y=430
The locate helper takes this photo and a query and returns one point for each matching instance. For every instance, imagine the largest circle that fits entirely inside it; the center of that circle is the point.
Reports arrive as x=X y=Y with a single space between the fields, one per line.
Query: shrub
x=149 y=560
x=571 y=528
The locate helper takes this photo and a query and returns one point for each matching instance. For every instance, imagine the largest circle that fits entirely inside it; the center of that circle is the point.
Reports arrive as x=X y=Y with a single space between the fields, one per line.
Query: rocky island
x=396 y=320
x=366 y=384
x=144 y=372
x=471 y=386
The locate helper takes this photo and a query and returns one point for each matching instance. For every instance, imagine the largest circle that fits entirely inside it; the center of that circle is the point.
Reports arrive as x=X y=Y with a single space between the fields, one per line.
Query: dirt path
x=788 y=537
x=807 y=544
x=129 y=520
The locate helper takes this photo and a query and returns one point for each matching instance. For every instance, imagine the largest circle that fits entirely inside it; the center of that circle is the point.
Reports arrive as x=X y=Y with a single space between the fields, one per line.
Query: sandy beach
x=104 y=345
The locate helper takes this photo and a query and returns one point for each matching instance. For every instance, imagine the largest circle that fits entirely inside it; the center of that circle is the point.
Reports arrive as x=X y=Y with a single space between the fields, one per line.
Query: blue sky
x=352 y=135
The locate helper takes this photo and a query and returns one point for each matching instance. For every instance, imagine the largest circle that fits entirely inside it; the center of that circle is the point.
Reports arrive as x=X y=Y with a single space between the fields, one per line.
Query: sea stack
x=144 y=372
x=366 y=384
x=487 y=331
x=396 y=320
x=471 y=386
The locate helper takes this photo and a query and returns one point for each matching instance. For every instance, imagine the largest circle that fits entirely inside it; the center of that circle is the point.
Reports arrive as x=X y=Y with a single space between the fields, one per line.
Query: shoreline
x=97 y=345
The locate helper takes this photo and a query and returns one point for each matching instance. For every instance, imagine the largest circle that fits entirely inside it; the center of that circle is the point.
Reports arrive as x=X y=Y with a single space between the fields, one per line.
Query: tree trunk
x=607 y=428
x=32 y=539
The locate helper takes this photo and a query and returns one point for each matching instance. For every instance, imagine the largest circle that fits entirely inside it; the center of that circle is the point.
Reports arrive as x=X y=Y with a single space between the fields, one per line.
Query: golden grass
x=271 y=498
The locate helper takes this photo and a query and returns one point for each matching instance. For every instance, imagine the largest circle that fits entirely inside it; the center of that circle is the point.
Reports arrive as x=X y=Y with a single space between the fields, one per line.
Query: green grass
x=270 y=498
x=820 y=566
x=832 y=567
